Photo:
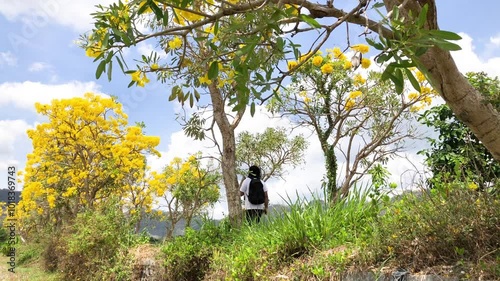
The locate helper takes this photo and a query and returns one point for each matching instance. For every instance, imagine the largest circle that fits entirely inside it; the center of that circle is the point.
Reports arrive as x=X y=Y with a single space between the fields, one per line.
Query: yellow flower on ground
x=365 y=63
x=317 y=60
x=175 y=43
x=205 y=80
x=292 y=65
x=349 y=104
x=355 y=94
x=327 y=68
x=362 y=48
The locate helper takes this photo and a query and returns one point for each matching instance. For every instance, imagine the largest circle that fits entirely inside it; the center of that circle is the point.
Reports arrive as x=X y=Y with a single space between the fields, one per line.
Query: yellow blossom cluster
x=326 y=63
x=84 y=153
x=183 y=17
x=94 y=50
x=351 y=100
x=140 y=78
x=423 y=98
x=175 y=43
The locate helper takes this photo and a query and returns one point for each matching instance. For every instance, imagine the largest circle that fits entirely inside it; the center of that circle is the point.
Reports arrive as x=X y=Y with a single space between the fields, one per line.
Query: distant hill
x=157 y=228
x=4 y=193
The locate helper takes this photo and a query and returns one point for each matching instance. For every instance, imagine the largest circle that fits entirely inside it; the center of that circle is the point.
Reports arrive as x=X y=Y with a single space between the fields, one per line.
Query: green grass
x=28 y=271
x=312 y=241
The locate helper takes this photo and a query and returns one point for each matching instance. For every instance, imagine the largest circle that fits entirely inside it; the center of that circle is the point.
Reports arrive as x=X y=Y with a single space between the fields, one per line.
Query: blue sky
x=40 y=61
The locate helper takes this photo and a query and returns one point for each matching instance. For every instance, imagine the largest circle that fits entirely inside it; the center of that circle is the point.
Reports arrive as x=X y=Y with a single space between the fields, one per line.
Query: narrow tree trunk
x=331 y=171
x=228 y=156
x=467 y=103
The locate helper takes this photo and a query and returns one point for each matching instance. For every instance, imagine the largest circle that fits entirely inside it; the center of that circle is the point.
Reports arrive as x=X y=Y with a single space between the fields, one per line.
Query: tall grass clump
x=306 y=228
x=188 y=257
x=441 y=227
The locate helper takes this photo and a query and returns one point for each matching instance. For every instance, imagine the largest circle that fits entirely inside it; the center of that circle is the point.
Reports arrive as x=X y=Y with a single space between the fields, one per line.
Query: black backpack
x=256 y=194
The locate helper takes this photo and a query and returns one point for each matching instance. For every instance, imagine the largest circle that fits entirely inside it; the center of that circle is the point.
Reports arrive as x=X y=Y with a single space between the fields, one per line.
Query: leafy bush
x=188 y=257
x=95 y=246
x=440 y=228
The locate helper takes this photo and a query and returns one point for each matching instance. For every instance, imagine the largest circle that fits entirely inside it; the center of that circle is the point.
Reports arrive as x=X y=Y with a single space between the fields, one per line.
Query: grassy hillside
x=448 y=233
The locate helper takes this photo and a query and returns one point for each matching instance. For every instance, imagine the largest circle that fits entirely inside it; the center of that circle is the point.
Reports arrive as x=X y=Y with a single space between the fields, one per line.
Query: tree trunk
x=228 y=156
x=467 y=103
x=331 y=171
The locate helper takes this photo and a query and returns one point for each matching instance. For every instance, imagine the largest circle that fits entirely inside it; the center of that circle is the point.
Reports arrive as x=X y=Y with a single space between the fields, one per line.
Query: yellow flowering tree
x=84 y=154
x=191 y=187
x=358 y=118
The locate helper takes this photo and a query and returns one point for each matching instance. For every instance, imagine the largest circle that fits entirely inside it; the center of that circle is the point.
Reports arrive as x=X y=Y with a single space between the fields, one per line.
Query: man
x=254 y=211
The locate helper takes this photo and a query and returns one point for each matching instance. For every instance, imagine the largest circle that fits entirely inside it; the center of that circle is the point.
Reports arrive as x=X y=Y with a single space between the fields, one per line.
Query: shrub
x=95 y=246
x=440 y=228
x=188 y=257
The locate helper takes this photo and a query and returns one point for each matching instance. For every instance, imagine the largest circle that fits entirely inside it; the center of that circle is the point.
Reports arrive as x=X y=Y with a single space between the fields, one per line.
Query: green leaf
x=191 y=100
x=120 y=64
x=374 y=44
x=398 y=80
x=383 y=57
x=387 y=72
x=252 y=109
x=448 y=46
x=420 y=51
x=196 y=95
x=213 y=71
x=216 y=28
x=158 y=12
x=378 y=5
x=312 y=22
x=412 y=79
x=176 y=93
x=100 y=69
x=165 y=18
x=422 y=18
x=443 y=34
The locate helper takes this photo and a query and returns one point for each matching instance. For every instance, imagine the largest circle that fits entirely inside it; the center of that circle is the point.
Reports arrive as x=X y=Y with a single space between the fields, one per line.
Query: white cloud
x=495 y=40
x=24 y=95
x=7 y=58
x=145 y=49
x=10 y=131
x=37 y=14
x=38 y=66
x=468 y=60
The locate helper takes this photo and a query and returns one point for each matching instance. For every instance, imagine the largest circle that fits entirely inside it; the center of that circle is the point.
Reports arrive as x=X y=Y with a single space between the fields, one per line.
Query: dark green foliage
x=457 y=155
